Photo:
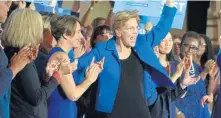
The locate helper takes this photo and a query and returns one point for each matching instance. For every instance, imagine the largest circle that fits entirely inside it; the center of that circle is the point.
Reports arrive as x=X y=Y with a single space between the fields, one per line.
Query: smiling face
x=176 y=45
x=75 y=41
x=190 y=47
x=166 y=44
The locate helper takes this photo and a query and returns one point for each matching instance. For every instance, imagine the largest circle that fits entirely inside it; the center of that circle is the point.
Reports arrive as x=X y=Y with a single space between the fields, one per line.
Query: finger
x=196 y=79
x=93 y=68
x=92 y=61
x=191 y=76
x=202 y=102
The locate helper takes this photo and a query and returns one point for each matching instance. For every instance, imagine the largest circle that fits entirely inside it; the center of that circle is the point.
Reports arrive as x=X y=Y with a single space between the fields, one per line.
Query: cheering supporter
x=67 y=32
x=205 y=60
x=8 y=72
x=216 y=91
x=47 y=43
x=165 y=101
x=176 y=47
x=127 y=56
x=28 y=95
x=189 y=46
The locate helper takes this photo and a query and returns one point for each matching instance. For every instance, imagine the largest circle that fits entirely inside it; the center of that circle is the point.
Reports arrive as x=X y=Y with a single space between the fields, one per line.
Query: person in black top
x=130 y=90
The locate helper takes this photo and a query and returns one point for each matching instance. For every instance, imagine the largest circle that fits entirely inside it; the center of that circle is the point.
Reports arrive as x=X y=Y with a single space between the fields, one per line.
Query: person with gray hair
x=28 y=94
x=8 y=72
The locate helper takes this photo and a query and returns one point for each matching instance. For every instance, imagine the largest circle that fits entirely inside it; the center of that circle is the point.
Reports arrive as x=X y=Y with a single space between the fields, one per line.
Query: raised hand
x=79 y=51
x=179 y=68
x=170 y=3
x=211 y=68
x=214 y=70
x=32 y=6
x=34 y=51
x=94 y=70
x=187 y=64
x=21 y=4
x=93 y=2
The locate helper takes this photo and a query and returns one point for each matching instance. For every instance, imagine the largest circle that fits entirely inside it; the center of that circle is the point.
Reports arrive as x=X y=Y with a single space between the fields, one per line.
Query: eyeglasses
x=191 y=48
x=130 y=29
x=202 y=45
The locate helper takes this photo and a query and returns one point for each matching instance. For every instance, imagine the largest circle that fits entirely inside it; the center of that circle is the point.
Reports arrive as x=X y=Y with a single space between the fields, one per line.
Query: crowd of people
x=56 y=66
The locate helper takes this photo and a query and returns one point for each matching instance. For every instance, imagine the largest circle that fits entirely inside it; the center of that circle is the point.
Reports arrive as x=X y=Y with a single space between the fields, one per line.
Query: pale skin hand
x=94 y=69
x=206 y=99
x=211 y=68
x=79 y=51
x=178 y=73
x=20 y=60
x=71 y=90
x=187 y=64
x=170 y=3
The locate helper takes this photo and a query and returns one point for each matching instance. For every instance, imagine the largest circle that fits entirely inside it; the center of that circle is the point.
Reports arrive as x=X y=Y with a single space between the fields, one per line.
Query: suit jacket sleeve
x=34 y=91
x=5 y=74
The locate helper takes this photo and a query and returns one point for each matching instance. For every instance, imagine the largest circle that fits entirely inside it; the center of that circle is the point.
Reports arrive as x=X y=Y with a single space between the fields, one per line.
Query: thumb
x=92 y=61
x=203 y=101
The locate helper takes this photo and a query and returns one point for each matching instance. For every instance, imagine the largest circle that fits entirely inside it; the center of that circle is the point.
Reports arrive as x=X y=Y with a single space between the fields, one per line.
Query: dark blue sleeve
x=5 y=80
x=219 y=58
x=76 y=14
x=160 y=31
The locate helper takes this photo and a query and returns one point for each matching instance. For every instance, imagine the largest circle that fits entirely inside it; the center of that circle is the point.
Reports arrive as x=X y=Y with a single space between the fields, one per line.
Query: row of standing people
x=112 y=96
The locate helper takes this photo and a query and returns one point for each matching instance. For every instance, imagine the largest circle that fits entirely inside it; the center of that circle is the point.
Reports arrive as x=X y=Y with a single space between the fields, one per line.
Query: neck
x=122 y=50
x=62 y=44
x=121 y=47
x=163 y=59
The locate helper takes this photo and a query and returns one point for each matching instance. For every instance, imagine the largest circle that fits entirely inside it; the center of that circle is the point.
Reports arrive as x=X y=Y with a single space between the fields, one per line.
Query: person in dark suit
x=28 y=94
x=8 y=72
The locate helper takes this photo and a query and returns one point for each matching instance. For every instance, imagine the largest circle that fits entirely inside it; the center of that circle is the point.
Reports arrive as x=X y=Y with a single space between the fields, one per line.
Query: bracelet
x=179 y=112
x=56 y=75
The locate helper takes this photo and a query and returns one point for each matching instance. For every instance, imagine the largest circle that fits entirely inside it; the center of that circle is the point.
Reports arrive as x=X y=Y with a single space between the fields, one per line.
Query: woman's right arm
x=71 y=90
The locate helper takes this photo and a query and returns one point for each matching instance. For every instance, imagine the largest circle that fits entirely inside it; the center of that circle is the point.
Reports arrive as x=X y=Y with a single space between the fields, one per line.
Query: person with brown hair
x=67 y=32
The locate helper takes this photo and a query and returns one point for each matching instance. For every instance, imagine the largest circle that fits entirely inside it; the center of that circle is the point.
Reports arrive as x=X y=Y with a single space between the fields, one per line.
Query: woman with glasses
x=101 y=33
x=216 y=90
x=165 y=101
x=205 y=60
x=190 y=104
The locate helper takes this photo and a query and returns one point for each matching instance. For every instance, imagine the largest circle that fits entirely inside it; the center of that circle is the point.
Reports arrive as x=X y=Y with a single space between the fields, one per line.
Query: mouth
x=133 y=39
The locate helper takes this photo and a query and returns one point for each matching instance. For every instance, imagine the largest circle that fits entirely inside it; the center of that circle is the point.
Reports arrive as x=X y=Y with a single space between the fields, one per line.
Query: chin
x=132 y=45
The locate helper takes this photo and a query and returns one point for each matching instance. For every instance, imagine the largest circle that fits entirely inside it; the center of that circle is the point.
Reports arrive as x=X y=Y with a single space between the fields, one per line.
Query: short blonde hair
x=121 y=17
x=23 y=26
